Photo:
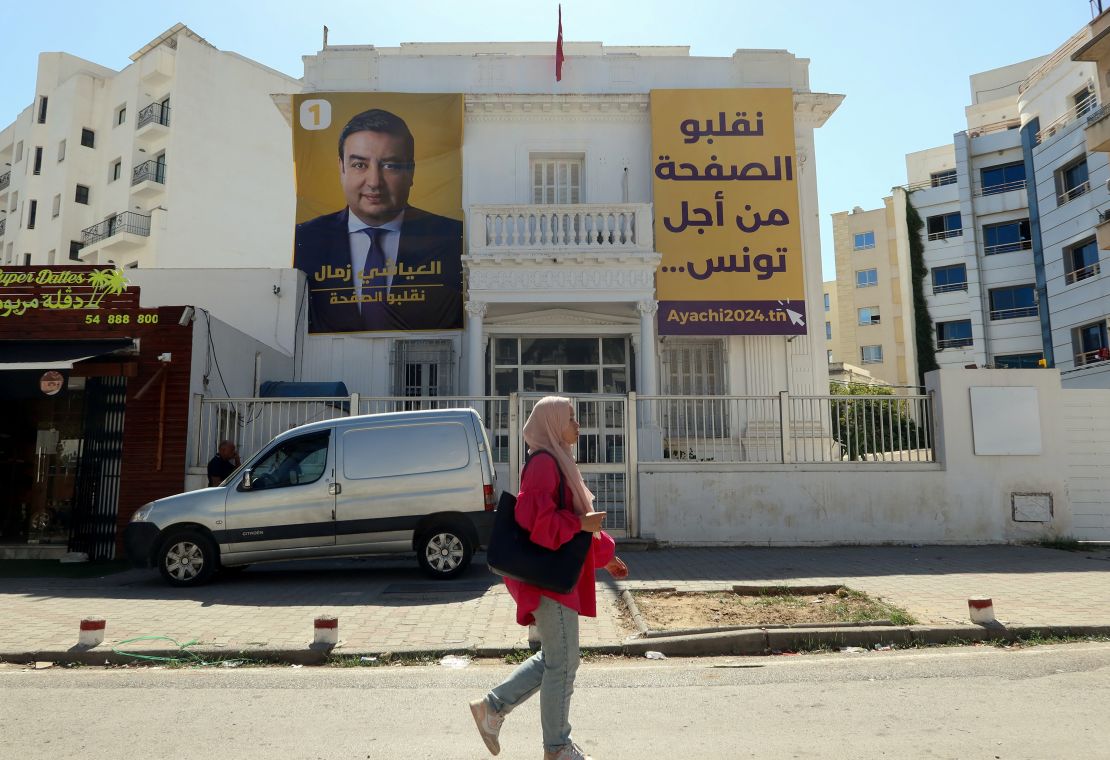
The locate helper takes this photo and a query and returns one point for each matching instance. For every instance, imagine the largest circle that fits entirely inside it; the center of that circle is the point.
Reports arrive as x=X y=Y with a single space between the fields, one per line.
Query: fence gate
x=602 y=453
x=96 y=497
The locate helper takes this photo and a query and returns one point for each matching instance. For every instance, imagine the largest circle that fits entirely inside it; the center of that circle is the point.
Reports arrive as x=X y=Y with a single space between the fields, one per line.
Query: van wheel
x=443 y=552
x=187 y=558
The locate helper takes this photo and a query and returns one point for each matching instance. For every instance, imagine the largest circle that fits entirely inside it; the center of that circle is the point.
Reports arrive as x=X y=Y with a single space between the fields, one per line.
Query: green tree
x=863 y=424
x=923 y=324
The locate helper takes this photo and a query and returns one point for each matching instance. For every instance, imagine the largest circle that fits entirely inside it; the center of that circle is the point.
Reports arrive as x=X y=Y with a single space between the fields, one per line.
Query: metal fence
x=619 y=433
x=786 y=429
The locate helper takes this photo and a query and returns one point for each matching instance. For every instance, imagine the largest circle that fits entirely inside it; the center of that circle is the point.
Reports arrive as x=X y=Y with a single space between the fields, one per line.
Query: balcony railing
x=949 y=288
x=1084 y=107
x=938 y=181
x=1060 y=55
x=998 y=126
x=1098 y=114
x=155 y=113
x=1024 y=311
x=5 y=180
x=1074 y=192
x=1086 y=272
x=128 y=221
x=1019 y=245
x=1092 y=357
x=582 y=227
x=1002 y=188
x=945 y=234
x=954 y=343
x=3 y=224
x=149 y=170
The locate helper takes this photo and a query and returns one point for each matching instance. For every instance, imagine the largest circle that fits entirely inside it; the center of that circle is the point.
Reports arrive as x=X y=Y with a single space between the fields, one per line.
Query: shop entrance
x=41 y=434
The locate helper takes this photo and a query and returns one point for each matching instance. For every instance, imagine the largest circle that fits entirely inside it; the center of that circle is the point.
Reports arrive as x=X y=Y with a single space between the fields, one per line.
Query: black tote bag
x=513 y=554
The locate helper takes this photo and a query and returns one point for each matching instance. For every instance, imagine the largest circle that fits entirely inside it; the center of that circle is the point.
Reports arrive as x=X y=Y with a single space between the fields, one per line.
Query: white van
x=378 y=483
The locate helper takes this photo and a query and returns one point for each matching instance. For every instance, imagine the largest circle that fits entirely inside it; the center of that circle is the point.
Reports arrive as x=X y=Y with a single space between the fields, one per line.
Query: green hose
x=196 y=661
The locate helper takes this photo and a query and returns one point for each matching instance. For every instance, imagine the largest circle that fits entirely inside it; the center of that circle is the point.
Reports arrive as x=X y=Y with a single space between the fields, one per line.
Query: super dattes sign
x=83 y=295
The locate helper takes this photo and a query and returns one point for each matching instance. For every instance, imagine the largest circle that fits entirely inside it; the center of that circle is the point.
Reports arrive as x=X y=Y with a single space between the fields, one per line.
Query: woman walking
x=551 y=428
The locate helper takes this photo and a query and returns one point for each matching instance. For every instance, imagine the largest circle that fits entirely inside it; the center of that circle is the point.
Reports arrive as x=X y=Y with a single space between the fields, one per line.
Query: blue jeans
x=550 y=671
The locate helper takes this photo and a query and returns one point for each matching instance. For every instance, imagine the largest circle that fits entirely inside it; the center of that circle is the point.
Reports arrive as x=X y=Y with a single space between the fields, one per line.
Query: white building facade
x=576 y=319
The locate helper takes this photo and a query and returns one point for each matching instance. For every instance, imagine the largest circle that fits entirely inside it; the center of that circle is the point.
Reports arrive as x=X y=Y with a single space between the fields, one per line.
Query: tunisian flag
x=559 y=49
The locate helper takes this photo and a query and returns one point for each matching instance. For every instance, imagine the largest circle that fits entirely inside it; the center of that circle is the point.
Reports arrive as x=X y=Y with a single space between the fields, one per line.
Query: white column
x=647 y=370
x=475 y=349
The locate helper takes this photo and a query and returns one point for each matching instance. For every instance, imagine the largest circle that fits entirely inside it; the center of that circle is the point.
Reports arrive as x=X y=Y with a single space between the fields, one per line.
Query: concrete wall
x=1087 y=424
x=226 y=363
x=262 y=303
x=965 y=498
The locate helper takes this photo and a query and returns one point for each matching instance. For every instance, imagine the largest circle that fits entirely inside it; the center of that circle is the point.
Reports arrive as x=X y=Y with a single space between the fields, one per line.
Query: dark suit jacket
x=322 y=246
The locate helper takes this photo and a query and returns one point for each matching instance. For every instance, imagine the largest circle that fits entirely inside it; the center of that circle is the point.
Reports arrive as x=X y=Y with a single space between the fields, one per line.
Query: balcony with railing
x=1004 y=187
x=5 y=180
x=591 y=229
x=1098 y=130
x=148 y=179
x=1071 y=193
x=949 y=287
x=1092 y=357
x=122 y=231
x=954 y=343
x=3 y=224
x=1083 y=273
x=1088 y=107
x=1016 y=245
x=945 y=234
x=1018 y=313
x=152 y=123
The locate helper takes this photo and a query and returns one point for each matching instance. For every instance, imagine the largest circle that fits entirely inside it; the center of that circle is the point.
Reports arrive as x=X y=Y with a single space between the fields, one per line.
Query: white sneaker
x=570 y=752
x=489 y=724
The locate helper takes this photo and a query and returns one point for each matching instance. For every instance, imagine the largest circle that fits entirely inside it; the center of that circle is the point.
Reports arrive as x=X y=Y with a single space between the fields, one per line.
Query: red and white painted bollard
x=981 y=610
x=91 y=633
x=327 y=631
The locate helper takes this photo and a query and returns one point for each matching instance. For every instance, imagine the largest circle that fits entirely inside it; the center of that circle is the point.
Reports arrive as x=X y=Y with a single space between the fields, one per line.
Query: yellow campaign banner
x=379 y=230
x=727 y=222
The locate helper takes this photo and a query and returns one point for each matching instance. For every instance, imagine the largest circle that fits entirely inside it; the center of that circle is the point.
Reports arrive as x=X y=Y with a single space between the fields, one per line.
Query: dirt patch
x=672 y=610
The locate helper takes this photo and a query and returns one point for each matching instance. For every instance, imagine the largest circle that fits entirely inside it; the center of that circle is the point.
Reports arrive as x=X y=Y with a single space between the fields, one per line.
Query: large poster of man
x=379 y=208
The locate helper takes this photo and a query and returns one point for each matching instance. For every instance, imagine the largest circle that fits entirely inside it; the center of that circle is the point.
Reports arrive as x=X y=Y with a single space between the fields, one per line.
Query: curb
x=760 y=641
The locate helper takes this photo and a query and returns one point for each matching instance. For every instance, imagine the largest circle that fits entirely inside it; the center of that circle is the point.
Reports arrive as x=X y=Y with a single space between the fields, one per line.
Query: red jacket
x=537 y=511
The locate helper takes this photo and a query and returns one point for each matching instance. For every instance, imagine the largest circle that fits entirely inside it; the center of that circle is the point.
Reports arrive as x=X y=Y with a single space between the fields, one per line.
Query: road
x=967 y=703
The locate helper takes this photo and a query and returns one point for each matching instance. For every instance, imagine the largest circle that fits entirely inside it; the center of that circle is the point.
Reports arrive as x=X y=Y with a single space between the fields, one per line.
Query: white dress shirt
x=389 y=240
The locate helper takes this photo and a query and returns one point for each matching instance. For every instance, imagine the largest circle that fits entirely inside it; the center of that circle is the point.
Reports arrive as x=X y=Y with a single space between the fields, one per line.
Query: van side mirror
x=248 y=479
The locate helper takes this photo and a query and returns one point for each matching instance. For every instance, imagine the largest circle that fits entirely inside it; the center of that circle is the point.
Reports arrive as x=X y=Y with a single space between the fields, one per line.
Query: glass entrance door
x=594 y=373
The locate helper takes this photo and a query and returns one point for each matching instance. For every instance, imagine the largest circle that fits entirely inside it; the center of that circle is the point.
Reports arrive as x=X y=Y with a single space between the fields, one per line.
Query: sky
x=903 y=67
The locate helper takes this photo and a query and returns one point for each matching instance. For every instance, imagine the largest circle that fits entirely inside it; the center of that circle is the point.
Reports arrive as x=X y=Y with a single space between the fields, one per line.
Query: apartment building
x=1070 y=137
x=874 y=316
x=179 y=160
x=832 y=326
x=1009 y=212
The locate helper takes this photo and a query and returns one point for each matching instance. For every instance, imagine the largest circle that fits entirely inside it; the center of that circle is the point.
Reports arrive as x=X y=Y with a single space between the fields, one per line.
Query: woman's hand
x=592 y=521
x=617 y=568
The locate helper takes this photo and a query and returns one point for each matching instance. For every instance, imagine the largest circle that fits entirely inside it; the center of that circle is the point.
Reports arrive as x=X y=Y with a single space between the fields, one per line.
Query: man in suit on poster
x=380 y=264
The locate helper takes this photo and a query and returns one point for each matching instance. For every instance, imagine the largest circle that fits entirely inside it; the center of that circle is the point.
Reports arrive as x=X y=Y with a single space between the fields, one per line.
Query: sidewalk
x=385 y=605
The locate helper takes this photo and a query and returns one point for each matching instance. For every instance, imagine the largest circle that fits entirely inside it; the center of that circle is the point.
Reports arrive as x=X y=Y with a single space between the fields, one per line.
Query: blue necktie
x=374 y=312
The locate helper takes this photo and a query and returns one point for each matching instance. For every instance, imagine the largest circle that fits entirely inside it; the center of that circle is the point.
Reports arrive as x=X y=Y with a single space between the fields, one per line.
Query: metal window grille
x=694 y=368
x=423 y=368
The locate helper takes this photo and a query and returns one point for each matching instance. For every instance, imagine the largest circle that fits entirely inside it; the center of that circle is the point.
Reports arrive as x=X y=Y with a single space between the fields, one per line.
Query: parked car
x=352 y=486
